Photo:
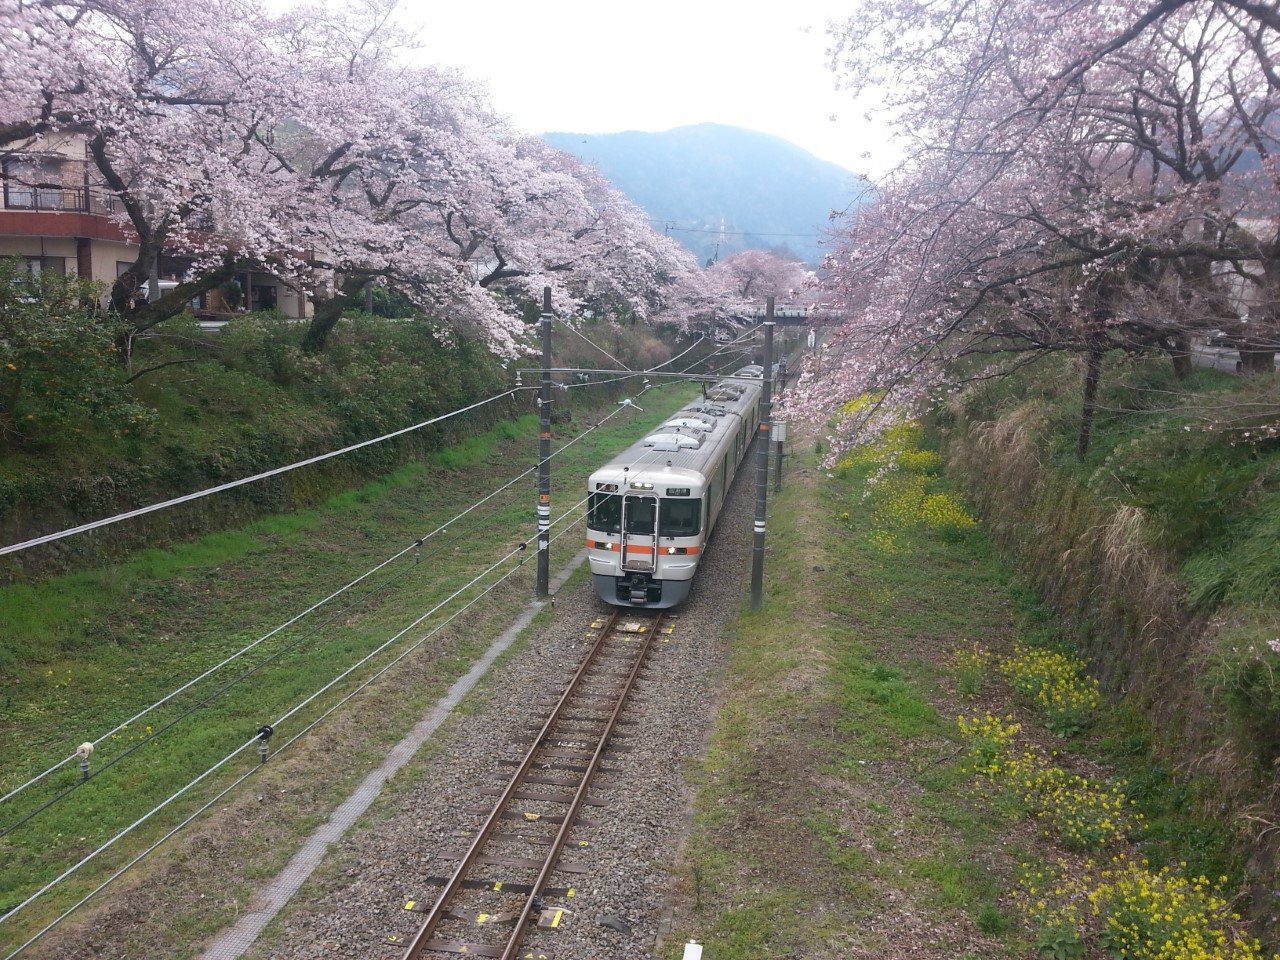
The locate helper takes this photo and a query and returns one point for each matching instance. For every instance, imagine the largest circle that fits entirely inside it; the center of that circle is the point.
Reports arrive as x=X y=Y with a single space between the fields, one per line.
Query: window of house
x=39 y=265
x=33 y=183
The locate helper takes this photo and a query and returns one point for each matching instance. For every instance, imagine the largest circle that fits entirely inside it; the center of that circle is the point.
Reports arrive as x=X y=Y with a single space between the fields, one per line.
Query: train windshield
x=605 y=512
x=680 y=518
x=641 y=514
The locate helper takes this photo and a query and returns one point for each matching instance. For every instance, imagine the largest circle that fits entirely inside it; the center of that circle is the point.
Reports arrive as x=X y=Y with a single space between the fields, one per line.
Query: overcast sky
x=600 y=66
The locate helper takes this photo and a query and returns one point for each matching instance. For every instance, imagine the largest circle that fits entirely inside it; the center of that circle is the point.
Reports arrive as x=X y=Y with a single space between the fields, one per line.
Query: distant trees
x=752 y=276
x=1080 y=178
x=299 y=143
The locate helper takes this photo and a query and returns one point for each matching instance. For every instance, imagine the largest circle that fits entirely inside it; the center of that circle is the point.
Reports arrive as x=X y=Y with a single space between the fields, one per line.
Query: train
x=651 y=509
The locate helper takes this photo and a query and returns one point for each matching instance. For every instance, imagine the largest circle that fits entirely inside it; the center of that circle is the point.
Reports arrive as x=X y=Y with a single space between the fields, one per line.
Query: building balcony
x=60 y=200
x=59 y=212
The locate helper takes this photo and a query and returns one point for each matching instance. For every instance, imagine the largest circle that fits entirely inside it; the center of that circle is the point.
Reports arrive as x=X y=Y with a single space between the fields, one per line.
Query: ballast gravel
x=620 y=903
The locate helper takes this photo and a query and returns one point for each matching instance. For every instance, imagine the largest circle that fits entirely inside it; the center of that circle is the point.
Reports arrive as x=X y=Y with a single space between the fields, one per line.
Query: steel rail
x=455 y=882
x=581 y=793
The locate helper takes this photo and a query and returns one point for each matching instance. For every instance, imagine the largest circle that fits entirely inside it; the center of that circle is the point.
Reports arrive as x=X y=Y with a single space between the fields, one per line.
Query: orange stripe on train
x=605 y=545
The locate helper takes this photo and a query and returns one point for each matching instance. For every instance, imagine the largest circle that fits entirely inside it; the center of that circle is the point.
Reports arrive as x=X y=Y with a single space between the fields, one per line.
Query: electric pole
x=762 y=462
x=544 y=453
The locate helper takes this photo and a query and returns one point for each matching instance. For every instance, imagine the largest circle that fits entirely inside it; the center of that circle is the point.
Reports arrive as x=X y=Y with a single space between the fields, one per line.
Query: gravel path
x=638 y=834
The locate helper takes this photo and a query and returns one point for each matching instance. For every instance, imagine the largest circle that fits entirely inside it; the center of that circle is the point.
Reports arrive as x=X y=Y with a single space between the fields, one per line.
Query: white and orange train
x=652 y=508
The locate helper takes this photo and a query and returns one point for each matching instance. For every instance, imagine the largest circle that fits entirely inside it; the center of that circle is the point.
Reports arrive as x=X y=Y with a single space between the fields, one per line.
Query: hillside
x=760 y=190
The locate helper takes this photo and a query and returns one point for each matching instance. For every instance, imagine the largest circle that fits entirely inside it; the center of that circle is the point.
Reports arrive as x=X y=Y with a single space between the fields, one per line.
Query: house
x=56 y=217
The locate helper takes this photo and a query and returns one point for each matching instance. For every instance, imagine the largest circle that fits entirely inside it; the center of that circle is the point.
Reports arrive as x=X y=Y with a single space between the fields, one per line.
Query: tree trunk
x=326 y=317
x=1180 y=354
x=1089 y=406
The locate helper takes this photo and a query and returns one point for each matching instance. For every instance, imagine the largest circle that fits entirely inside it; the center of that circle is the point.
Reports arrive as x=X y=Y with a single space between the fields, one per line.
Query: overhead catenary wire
x=196 y=495
x=280 y=720
x=186 y=498
x=658 y=366
x=669 y=225
x=575 y=330
x=256 y=643
x=239 y=653
x=254 y=769
x=720 y=350
x=194 y=708
x=126 y=831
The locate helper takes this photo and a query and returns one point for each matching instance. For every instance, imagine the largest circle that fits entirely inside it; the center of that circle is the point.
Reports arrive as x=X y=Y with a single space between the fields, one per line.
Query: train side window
x=604 y=512
x=679 y=518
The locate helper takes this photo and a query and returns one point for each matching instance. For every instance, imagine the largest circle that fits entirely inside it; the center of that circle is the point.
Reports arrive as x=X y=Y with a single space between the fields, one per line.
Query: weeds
x=1126 y=907
x=1054 y=684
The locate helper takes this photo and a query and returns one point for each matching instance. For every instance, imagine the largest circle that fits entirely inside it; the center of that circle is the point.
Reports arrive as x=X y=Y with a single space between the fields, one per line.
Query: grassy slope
x=96 y=647
x=833 y=818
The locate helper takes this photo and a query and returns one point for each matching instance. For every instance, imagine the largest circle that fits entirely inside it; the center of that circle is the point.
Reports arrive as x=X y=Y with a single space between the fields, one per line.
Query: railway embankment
x=822 y=778
x=913 y=757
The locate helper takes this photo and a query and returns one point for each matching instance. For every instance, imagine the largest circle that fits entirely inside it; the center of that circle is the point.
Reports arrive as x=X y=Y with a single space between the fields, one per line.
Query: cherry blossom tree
x=746 y=279
x=301 y=143
x=1079 y=178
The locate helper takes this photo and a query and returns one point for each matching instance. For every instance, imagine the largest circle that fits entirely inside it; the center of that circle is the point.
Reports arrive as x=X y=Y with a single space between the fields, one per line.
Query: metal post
x=779 y=440
x=544 y=453
x=762 y=463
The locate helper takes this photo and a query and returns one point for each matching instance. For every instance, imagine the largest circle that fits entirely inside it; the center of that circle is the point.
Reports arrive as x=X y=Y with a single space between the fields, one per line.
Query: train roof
x=690 y=421
x=662 y=457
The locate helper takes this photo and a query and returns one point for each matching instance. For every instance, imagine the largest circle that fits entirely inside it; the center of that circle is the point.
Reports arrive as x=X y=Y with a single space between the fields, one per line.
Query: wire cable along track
x=538 y=810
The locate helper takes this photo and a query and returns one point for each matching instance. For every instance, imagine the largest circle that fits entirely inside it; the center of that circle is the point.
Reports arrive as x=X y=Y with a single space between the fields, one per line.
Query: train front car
x=645 y=530
x=652 y=508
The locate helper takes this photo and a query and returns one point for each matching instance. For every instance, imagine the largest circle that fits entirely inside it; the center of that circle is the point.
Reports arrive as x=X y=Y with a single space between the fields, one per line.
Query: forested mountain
x=719 y=189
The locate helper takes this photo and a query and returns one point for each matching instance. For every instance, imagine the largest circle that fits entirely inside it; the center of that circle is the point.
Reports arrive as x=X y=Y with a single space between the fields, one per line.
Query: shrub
x=59 y=369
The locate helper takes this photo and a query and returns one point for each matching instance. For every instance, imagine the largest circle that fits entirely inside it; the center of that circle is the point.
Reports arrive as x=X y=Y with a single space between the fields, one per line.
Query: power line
x=575 y=330
x=83 y=528
x=667 y=224
x=281 y=719
x=369 y=680
x=247 y=648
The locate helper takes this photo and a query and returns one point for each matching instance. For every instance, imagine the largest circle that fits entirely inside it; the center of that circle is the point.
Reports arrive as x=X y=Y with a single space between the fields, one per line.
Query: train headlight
x=671 y=549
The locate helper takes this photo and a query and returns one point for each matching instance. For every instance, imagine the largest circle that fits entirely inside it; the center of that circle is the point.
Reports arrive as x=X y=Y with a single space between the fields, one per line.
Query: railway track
x=513 y=885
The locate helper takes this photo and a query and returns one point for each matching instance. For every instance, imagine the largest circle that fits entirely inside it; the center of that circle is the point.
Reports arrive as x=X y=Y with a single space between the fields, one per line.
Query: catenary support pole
x=762 y=463
x=544 y=452
x=779 y=441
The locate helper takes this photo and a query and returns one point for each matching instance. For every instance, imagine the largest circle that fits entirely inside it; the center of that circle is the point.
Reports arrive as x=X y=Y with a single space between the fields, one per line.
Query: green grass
x=833 y=702
x=835 y=765
x=89 y=650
